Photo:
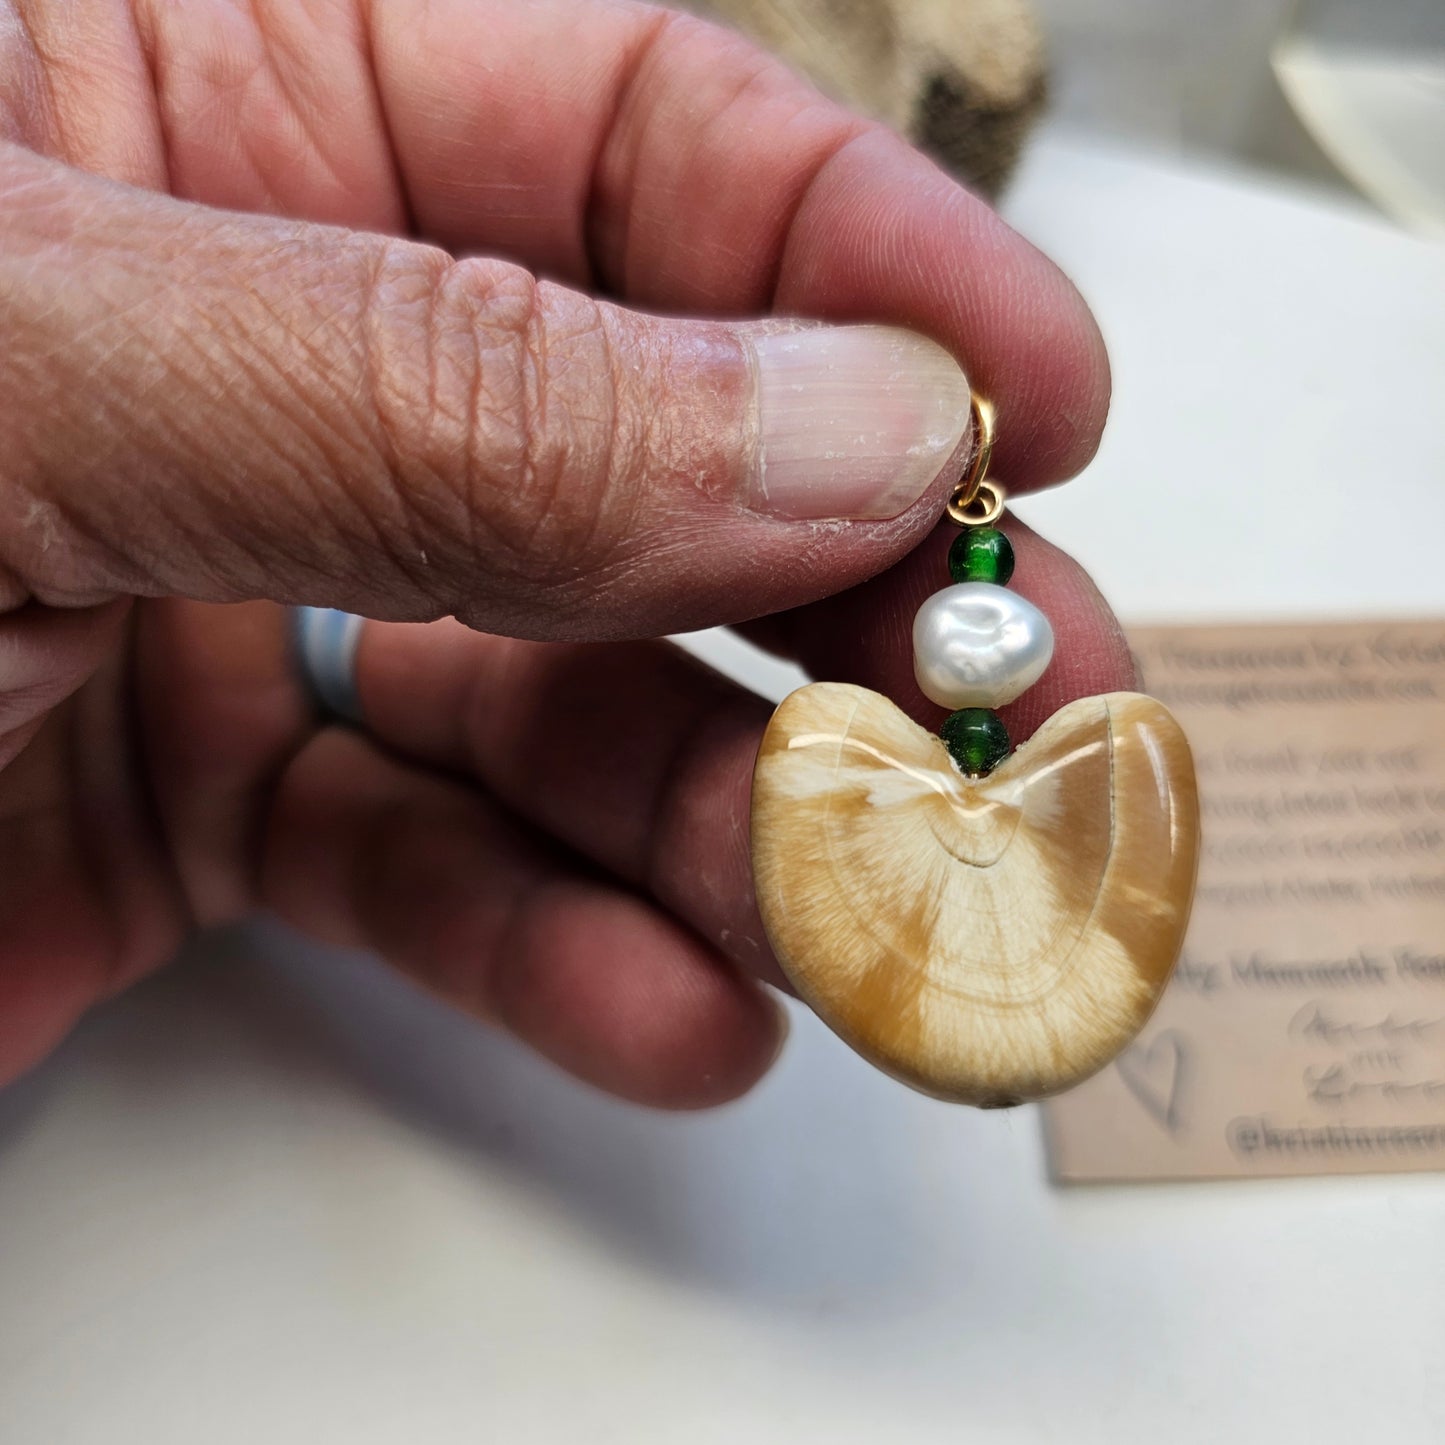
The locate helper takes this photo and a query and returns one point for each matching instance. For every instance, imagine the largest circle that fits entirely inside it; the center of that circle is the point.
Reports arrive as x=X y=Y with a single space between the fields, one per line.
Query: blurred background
x=1339 y=93
x=274 y=1195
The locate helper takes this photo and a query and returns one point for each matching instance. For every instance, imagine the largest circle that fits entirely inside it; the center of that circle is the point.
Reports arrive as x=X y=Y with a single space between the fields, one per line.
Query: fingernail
x=852 y=421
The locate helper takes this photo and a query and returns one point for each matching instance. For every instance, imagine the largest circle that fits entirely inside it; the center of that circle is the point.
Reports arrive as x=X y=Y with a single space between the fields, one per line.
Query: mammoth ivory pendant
x=987 y=940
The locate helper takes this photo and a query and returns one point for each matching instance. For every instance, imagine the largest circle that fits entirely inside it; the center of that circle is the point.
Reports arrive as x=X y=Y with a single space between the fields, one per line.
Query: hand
x=227 y=384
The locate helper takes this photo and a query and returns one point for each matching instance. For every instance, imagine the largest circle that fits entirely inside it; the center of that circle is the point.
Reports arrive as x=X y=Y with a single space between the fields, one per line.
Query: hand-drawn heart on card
x=1156 y=1074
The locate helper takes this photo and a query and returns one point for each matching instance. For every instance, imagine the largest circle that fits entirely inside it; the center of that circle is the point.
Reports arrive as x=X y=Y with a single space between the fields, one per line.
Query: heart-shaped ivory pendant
x=988 y=940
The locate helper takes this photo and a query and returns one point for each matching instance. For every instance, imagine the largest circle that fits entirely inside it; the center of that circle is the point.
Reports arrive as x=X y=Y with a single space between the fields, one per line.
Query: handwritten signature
x=1313 y=1022
x=1335 y=1085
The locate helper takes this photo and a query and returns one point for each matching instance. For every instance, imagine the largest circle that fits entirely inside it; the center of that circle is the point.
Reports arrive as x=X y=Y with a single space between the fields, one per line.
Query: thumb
x=224 y=407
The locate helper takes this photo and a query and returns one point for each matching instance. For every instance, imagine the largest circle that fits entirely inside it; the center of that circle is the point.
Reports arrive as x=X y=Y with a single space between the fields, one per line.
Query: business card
x=1304 y=1029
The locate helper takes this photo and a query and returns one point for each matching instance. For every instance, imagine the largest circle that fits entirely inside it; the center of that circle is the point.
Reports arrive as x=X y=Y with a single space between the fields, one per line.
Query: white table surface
x=275 y=1196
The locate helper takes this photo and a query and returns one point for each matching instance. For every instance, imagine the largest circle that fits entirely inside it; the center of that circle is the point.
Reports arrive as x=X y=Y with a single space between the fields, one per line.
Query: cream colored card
x=1304 y=1030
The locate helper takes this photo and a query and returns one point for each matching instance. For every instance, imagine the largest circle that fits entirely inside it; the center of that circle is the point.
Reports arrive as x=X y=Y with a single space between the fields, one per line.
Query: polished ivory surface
x=991 y=940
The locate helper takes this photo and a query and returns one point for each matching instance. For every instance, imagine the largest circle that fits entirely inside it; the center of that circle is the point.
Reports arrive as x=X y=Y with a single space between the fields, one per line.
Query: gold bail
x=977 y=501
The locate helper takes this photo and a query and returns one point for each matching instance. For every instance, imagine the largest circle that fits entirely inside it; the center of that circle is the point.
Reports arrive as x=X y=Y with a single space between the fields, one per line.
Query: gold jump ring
x=983 y=511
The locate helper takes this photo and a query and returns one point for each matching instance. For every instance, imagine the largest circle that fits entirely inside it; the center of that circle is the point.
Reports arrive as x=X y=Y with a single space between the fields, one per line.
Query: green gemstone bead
x=976 y=739
x=981 y=554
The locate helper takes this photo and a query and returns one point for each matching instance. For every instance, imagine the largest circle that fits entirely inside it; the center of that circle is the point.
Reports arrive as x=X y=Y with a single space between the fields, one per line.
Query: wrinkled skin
x=208 y=410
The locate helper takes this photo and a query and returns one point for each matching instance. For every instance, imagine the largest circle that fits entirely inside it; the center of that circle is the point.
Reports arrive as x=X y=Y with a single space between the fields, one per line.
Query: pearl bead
x=979 y=645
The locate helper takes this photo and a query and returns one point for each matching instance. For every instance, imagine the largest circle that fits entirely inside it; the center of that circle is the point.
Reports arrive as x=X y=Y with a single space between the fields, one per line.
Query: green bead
x=981 y=554
x=976 y=739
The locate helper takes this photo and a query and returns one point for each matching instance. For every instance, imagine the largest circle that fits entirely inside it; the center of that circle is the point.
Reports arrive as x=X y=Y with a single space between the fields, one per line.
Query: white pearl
x=978 y=645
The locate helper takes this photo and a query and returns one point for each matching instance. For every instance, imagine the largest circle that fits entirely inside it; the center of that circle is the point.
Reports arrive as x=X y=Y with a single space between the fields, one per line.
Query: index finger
x=671 y=163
